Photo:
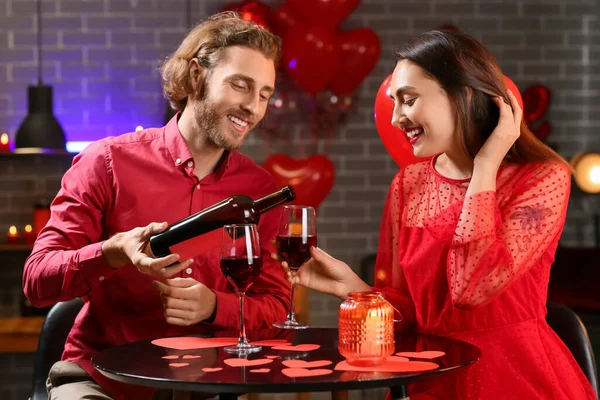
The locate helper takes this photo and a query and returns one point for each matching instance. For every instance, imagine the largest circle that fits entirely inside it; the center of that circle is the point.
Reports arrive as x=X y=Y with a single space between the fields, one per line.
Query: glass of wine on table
x=241 y=264
x=296 y=234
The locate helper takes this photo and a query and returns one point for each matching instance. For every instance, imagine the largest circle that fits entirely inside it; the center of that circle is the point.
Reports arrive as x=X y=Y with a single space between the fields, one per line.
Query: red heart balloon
x=360 y=49
x=283 y=20
x=310 y=55
x=537 y=100
x=394 y=138
x=326 y=13
x=312 y=178
x=253 y=11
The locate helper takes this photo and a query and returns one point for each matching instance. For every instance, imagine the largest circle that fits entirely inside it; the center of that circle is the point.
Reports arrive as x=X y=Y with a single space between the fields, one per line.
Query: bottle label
x=198 y=245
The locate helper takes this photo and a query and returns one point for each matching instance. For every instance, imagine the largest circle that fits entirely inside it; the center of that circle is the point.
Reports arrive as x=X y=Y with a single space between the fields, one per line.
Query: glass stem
x=242 y=338
x=290 y=316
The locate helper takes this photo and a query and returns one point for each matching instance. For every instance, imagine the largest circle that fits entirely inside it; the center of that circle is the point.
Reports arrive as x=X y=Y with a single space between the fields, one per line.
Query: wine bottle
x=199 y=232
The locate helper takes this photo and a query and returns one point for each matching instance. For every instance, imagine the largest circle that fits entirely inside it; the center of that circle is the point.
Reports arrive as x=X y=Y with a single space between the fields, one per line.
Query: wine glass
x=241 y=263
x=296 y=234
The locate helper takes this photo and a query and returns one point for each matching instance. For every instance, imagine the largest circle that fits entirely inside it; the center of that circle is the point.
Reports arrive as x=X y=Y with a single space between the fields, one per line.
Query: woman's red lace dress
x=476 y=269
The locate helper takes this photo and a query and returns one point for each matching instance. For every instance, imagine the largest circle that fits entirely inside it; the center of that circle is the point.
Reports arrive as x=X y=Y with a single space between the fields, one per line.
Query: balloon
x=310 y=55
x=312 y=178
x=537 y=100
x=325 y=13
x=513 y=88
x=360 y=49
x=283 y=20
x=394 y=138
x=253 y=11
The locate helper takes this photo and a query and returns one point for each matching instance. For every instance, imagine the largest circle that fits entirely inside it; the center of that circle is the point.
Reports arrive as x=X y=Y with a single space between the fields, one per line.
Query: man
x=119 y=191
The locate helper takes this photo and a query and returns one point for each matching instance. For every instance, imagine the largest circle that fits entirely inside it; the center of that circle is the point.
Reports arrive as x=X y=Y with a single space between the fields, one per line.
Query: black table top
x=141 y=363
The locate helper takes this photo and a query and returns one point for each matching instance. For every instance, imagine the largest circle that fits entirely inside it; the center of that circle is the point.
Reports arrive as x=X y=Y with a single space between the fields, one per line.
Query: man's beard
x=208 y=120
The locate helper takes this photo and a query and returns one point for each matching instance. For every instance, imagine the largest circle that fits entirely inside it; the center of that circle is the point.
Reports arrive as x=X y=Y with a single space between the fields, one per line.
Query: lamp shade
x=587 y=171
x=40 y=131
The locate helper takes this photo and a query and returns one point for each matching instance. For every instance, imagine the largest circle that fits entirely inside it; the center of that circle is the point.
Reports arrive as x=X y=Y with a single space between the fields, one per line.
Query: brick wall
x=101 y=58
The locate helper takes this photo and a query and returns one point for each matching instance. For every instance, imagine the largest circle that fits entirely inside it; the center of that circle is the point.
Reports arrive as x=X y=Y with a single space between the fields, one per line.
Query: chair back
x=56 y=328
x=572 y=332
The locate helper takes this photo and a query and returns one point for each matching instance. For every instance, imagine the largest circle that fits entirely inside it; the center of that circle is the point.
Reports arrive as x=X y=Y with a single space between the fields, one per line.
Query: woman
x=468 y=236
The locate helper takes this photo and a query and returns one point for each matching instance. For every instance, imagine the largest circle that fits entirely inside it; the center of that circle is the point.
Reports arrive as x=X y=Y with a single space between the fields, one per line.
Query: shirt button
x=178 y=161
x=101 y=278
x=198 y=186
x=190 y=164
x=188 y=271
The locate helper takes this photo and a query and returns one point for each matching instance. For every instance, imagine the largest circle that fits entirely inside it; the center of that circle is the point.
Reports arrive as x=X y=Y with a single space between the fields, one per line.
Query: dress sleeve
x=389 y=275
x=494 y=246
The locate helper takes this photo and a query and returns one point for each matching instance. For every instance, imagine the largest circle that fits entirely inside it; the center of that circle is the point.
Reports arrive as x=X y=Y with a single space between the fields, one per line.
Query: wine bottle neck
x=273 y=200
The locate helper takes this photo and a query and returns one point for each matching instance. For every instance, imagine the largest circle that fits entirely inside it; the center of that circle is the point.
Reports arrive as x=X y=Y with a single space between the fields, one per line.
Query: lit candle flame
x=139 y=128
x=12 y=230
x=4 y=138
x=28 y=228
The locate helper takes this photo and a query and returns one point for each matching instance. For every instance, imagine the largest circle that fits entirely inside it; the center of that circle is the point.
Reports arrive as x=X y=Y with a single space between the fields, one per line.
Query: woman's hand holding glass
x=326 y=274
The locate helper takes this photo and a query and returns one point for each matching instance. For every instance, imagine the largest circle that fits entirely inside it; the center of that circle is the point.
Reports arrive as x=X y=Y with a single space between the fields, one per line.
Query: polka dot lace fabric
x=476 y=268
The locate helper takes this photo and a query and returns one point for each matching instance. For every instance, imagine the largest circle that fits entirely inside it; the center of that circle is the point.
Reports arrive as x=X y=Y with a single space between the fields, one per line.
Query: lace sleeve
x=492 y=247
x=389 y=276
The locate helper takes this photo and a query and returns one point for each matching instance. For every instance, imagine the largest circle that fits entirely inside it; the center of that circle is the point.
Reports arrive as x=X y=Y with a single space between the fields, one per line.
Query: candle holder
x=366 y=329
x=28 y=234
x=13 y=236
x=4 y=143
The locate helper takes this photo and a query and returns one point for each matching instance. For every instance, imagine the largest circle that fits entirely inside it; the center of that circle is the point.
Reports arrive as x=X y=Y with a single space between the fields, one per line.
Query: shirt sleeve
x=67 y=261
x=268 y=299
x=389 y=275
x=494 y=246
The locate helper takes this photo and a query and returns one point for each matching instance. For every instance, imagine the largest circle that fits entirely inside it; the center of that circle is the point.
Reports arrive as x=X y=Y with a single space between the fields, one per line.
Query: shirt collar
x=181 y=155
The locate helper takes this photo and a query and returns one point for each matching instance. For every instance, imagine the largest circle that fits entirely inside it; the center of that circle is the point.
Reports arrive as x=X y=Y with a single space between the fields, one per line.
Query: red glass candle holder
x=366 y=329
x=28 y=234
x=4 y=143
x=13 y=236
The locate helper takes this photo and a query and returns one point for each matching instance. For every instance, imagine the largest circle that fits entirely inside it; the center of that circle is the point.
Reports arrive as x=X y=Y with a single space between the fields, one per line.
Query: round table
x=141 y=363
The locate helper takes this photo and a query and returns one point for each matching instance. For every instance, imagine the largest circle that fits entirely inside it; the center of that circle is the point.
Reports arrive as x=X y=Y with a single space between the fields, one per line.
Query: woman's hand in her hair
x=505 y=134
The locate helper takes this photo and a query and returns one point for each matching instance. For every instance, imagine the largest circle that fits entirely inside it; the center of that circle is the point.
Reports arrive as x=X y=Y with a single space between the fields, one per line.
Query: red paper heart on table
x=211 y=369
x=298 y=347
x=170 y=357
x=188 y=343
x=428 y=355
x=302 y=372
x=190 y=357
x=360 y=49
x=311 y=55
x=397 y=359
x=312 y=178
x=269 y=343
x=260 y=370
x=390 y=366
x=305 y=364
x=242 y=362
x=327 y=13
x=178 y=365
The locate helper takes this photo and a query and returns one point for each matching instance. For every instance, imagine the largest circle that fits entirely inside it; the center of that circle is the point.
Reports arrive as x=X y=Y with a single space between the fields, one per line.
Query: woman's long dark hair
x=470 y=75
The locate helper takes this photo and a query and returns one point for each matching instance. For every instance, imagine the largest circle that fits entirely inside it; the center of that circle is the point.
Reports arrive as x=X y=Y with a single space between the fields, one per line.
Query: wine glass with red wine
x=296 y=234
x=241 y=263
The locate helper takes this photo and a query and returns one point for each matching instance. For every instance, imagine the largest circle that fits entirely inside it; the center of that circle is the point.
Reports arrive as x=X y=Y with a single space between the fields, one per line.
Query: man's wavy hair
x=207 y=42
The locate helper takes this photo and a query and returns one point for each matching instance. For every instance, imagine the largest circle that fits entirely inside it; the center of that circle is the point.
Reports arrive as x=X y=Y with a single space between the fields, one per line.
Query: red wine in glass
x=241 y=263
x=295 y=250
x=296 y=234
x=241 y=272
